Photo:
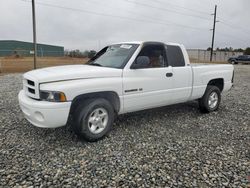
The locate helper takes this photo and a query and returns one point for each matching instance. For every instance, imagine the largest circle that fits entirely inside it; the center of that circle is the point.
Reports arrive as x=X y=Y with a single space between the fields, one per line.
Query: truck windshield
x=114 y=56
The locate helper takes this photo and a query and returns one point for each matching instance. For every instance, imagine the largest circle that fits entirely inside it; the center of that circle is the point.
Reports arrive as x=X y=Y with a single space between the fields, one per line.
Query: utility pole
x=34 y=32
x=212 y=46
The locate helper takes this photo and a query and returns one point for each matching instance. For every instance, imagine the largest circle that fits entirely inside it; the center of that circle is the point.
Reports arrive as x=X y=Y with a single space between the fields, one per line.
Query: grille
x=31 y=88
x=31 y=82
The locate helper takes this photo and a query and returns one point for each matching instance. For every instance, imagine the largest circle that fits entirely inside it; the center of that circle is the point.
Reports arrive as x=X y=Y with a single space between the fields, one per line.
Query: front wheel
x=210 y=100
x=93 y=119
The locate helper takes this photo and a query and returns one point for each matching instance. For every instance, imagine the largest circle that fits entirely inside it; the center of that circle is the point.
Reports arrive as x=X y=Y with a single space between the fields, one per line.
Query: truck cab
x=160 y=75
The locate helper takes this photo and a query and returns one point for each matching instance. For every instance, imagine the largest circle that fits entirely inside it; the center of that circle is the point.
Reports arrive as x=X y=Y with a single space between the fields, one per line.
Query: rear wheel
x=93 y=119
x=234 y=62
x=210 y=100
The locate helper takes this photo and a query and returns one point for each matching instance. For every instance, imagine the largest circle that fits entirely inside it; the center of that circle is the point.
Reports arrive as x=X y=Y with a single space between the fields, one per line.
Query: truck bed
x=203 y=73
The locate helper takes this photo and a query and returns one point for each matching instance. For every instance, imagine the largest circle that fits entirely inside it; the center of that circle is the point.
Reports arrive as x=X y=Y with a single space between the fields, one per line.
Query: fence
x=199 y=55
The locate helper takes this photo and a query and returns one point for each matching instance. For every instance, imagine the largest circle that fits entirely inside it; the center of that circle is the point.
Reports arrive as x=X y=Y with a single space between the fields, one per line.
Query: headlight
x=53 y=96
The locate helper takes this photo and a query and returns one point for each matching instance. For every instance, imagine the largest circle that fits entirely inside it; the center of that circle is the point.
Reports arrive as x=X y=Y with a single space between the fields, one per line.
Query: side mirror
x=141 y=62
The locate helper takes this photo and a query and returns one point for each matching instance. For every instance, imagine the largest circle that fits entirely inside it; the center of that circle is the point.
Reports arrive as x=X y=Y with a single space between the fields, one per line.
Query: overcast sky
x=91 y=24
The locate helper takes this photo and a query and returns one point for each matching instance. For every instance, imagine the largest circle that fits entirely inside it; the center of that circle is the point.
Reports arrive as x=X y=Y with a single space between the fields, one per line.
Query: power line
x=160 y=1
x=185 y=8
x=213 y=36
x=232 y=37
x=152 y=21
x=225 y=23
x=168 y=10
x=149 y=17
x=234 y=27
x=110 y=15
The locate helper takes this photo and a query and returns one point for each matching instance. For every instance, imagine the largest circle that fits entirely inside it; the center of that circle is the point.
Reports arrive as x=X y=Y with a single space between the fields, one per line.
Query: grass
x=24 y=64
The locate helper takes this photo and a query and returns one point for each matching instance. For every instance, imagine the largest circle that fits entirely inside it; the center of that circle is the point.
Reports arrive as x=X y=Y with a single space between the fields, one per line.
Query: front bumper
x=42 y=113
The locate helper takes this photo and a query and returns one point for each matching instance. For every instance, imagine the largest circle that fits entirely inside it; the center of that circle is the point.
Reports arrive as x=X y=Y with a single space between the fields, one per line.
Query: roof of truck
x=140 y=42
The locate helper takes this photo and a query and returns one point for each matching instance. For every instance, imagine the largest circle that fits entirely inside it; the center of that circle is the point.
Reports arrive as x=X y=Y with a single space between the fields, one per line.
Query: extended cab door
x=148 y=86
x=182 y=73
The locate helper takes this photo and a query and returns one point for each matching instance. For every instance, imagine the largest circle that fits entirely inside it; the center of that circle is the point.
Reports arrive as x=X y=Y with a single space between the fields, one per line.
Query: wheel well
x=217 y=82
x=111 y=96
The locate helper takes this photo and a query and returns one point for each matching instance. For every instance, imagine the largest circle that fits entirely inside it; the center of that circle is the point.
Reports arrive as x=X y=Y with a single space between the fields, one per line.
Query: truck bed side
x=204 y=73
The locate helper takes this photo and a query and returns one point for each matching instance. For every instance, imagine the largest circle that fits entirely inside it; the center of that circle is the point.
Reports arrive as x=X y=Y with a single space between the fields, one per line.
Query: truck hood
x=71 y=72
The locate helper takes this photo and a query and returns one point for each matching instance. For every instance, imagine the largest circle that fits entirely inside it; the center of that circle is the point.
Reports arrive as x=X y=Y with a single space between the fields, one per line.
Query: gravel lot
x=171 y=146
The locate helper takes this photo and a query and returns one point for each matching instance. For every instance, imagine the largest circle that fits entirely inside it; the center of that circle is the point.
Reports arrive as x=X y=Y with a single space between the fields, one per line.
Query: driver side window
x=156 y=55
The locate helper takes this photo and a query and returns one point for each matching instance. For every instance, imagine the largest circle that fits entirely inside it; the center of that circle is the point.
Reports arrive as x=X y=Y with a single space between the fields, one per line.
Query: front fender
x=74 y=88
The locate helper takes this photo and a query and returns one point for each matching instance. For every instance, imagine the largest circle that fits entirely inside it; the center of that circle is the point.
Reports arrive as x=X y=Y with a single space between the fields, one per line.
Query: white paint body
x=187 y=83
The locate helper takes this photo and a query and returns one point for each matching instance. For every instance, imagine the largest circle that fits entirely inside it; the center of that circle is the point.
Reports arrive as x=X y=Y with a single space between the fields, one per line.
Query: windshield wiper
x=95 y=64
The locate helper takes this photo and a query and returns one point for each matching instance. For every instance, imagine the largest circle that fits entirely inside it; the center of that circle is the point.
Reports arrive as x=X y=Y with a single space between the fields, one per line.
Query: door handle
x=169 y=74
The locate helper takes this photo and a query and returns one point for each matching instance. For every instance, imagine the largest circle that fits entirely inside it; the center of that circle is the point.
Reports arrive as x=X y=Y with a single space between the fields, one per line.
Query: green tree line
x=230 y=49
x=80 y=54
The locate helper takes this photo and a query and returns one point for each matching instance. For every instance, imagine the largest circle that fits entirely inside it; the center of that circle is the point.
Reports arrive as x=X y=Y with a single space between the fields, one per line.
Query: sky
x=93 y=24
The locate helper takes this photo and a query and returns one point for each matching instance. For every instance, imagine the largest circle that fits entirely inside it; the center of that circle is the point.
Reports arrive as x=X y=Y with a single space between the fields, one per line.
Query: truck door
x=182 y=74
x=150 y=85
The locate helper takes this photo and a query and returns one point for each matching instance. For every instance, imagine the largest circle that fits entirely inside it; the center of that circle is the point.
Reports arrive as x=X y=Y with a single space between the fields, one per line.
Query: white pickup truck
x=121 y=78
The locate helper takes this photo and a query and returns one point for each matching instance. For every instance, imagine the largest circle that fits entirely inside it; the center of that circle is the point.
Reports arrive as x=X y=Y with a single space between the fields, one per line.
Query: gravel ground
x=171 y=146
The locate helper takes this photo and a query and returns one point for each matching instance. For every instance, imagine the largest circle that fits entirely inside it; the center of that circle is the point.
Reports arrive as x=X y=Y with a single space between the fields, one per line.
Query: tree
x=247 y=51
x=85 y=53
x=80 y=54
x=91 y=53
x=238 y=50
x=74 y=53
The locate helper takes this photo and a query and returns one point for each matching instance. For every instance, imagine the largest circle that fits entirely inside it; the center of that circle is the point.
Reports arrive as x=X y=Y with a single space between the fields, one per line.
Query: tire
x=210 y=100
x=90 y=121
x=234 y=62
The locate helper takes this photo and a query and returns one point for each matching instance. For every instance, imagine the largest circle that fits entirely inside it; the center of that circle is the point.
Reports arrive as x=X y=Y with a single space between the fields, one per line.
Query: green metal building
x=21 y=48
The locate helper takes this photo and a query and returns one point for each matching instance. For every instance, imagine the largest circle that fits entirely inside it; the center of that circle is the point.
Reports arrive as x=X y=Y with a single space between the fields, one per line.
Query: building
x=21 y=48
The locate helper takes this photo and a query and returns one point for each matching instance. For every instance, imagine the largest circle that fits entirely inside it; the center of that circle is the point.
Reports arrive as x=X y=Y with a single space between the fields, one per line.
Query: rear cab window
x=175 y=56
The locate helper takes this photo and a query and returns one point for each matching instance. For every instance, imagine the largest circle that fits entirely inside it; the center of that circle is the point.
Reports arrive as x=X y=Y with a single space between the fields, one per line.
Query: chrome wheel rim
x=213 y=100
x=98 y=120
